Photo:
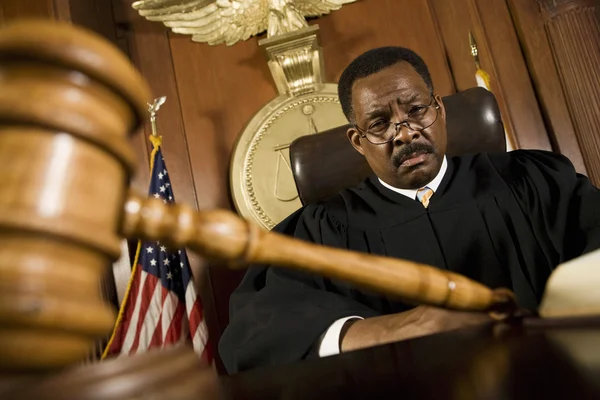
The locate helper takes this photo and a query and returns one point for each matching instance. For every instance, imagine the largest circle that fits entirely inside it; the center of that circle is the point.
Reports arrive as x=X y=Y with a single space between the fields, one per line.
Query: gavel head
x=68 y=101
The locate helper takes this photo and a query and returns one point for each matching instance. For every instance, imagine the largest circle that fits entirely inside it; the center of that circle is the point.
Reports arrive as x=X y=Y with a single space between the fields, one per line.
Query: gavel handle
x=222 y=235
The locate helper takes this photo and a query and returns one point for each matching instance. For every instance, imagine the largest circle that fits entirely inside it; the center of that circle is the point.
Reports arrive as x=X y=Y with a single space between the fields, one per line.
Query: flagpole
x=483 y=80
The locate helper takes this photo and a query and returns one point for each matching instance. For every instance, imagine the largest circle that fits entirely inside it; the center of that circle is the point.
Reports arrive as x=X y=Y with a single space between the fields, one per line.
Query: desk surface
x=531 y=359
x=535 y=359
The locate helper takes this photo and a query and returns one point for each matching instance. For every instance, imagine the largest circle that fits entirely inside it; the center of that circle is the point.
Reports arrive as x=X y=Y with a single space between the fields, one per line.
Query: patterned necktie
x=423 y=195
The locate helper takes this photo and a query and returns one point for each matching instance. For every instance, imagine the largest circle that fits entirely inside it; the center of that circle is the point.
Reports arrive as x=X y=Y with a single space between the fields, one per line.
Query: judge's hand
x=420 y=321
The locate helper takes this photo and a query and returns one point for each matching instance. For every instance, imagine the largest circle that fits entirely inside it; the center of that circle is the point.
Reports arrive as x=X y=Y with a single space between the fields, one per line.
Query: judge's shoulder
x=331 y=210
x=518 y=164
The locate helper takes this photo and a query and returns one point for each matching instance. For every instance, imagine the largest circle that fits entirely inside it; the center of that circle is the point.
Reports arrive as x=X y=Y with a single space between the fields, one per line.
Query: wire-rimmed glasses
x=420 y=117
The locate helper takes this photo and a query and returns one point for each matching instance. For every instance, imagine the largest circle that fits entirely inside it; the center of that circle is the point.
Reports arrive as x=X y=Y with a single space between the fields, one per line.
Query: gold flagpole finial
x=152 y=109
x=474 y=50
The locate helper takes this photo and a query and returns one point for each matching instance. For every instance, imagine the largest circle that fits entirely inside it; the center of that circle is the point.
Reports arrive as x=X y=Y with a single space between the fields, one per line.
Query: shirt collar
x=433 y=185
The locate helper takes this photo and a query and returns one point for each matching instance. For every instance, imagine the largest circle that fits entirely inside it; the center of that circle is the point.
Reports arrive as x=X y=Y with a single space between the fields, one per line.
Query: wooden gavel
x=68 y=101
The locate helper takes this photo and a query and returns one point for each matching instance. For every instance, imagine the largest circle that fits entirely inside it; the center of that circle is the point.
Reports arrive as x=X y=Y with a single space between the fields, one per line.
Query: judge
x=505 y=220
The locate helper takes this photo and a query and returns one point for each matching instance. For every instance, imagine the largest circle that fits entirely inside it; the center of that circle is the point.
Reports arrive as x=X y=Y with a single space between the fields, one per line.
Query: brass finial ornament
x=482 y=77
x=230 y=21
x=474 y=50
x=152 y=109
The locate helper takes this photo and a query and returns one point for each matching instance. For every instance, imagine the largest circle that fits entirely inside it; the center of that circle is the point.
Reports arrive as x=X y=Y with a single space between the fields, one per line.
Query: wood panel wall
x=573 y=30
x=212 y=92
x=26 y=8
x=529 y=23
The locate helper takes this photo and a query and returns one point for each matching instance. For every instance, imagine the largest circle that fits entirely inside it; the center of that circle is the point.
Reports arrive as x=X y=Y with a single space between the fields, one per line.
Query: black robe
x=506 y=220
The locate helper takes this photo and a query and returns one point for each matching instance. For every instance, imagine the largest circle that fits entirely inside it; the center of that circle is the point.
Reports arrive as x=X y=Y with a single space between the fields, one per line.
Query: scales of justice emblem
x=283 y=169
x=261 y=179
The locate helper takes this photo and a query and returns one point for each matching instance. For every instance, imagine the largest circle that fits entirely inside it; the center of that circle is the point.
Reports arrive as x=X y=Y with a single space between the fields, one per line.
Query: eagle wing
x=210 y=21
x=314 y=8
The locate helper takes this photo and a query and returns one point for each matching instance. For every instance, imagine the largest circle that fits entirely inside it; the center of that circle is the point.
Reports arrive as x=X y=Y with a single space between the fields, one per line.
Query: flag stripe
x=168 y=311
x=134 y=293
x=200 y=338
x=173 y=333
x=193 y=307
x=151 y=317
x=133 y=326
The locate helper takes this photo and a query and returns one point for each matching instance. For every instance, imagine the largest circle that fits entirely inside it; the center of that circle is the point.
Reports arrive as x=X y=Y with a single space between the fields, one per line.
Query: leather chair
x=326 y=163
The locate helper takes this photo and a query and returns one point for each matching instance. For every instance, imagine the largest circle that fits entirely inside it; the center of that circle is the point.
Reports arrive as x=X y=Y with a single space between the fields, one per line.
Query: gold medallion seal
x=262 y=183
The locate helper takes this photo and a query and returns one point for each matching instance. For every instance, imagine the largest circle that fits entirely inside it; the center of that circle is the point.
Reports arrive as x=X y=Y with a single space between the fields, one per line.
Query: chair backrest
x=325 y=163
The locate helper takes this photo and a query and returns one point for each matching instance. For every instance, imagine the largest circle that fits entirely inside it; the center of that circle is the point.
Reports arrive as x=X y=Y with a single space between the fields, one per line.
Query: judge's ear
x=354 y=137
x=442 y=109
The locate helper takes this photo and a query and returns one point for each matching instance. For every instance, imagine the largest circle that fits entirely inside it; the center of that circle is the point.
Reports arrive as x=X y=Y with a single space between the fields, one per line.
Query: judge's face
x=397 y=93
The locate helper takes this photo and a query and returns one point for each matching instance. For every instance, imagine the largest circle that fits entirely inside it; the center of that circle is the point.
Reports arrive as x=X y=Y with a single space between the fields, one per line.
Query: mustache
x=409 y=149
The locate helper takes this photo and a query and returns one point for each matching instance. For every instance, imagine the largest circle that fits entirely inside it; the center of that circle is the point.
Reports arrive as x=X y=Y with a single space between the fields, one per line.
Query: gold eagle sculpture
x=230 y=21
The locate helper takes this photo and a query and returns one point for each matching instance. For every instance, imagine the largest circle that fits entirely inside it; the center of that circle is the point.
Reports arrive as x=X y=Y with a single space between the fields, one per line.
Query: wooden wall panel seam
x=184 y=132
x=441 y=44
x=61 y=10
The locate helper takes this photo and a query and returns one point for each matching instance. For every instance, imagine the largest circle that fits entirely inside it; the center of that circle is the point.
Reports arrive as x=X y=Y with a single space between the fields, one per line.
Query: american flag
x=161 y=306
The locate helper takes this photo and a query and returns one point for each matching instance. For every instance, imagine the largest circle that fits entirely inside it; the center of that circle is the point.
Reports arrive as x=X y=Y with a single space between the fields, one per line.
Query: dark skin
x=389 y=95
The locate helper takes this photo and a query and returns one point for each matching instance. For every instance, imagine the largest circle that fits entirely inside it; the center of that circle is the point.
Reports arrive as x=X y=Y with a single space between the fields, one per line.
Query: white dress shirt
x=329 y=343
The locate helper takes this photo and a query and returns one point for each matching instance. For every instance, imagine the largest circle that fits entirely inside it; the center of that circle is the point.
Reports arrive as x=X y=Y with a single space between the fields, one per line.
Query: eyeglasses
x=419 y=118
